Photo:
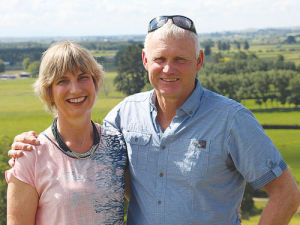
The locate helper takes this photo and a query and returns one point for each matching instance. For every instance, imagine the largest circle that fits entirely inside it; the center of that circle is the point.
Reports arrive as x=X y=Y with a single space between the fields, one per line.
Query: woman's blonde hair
x=56 y=61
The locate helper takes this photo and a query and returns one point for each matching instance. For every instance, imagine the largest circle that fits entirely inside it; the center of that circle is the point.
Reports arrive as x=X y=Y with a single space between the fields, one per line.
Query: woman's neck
x=77 y=134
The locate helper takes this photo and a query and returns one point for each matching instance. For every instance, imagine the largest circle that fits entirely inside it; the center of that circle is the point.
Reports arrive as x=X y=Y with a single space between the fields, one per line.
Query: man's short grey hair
x=171 y=30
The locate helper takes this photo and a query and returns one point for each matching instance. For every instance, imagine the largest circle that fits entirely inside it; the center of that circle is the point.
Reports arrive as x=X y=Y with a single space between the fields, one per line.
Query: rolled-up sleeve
x=252 y=151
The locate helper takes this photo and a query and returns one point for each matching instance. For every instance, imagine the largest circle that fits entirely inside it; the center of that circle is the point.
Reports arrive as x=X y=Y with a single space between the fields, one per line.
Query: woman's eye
x=61 y=81
x=84 y=77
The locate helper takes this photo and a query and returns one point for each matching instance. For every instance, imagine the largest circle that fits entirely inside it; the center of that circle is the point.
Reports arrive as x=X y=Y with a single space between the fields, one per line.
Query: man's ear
x=145 y=60
x=200 y=60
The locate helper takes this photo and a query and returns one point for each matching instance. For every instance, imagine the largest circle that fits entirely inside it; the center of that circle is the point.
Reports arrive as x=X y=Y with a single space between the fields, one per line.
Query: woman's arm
x=22 y=202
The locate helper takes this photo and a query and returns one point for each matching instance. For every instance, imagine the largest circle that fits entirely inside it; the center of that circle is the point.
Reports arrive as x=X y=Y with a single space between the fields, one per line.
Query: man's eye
x=180 y=59
x=159 y=60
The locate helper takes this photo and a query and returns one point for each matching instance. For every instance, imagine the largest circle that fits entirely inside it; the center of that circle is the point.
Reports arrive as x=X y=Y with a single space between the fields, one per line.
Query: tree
x=252 y=55
x=261 y=87
x=216 y=57
x=228 y=45
x=295 y=90
x=26 y=62
x=207 y=44
x=100 y=59
x=290 y=40
x=223 y=45
x=220 y=46
x=281 y=80
x=132 y=75
x=238 y=45
x=279 y=58
x=207 y=50
x=118 y=55
x=33 y=68
x=2 y=66
x=240 y=55
x=246 y=45
x=247 y=203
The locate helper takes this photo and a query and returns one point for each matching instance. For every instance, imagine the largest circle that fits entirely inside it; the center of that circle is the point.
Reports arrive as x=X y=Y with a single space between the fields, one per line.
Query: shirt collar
x=191 y=104
x=152 y=100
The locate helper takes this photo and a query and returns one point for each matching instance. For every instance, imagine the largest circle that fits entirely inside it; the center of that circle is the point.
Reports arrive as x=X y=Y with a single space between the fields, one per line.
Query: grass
x=21 y=110
x=291 y=53
x=288 y=142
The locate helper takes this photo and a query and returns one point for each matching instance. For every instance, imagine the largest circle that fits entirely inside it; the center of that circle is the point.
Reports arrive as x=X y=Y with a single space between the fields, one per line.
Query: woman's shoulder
x=113 y=136
x=46 y=140
x=109 y=131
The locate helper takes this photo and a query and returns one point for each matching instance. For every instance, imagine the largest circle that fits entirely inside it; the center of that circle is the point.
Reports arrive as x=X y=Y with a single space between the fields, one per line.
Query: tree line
x=14 y=55
x=278 y=86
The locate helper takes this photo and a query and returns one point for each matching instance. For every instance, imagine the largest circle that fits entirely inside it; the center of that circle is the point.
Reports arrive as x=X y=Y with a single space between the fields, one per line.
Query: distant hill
x=239 y=34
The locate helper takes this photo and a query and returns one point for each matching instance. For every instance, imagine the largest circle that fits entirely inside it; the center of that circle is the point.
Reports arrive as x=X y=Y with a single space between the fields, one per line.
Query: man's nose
x=168 y=68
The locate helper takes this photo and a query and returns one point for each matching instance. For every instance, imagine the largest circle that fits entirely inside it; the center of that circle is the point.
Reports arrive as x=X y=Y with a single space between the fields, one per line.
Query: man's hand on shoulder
x=22 y=142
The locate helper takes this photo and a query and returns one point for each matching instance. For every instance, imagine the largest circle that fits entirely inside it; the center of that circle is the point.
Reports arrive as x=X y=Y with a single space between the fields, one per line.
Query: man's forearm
x=278 y=212
x=284 y=200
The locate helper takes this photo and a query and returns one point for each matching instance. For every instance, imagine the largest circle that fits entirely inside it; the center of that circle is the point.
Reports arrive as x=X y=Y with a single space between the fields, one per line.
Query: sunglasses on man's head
x=180 y=21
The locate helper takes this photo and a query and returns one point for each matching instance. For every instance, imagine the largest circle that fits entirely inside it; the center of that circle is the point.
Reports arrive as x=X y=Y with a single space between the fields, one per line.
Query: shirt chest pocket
x=192 y=158
x=138 y=148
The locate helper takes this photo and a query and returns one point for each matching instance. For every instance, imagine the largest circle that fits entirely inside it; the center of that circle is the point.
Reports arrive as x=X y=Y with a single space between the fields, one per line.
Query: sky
x=52 y=18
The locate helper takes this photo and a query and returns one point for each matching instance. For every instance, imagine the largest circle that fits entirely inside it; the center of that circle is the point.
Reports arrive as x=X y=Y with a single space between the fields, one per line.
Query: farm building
x=24 y=74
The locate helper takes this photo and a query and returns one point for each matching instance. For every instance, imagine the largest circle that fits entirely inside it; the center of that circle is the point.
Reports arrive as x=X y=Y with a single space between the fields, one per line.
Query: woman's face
x=74 y=94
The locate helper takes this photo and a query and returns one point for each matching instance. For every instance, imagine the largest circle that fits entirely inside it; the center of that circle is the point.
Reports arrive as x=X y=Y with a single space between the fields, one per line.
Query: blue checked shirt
x=195 y=171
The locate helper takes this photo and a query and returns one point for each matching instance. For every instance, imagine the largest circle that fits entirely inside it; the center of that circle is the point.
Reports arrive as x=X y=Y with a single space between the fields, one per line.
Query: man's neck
x=166 y=111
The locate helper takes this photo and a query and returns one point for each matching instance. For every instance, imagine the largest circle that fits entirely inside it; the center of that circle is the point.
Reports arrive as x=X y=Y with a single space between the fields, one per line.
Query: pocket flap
x=137 y=138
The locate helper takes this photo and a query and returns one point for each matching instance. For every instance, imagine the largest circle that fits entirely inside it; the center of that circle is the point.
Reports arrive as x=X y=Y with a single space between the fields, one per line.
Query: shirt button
x=164 y=147
x=136 y=140
x=191 y=112
x=159 y=202
x=271 y=163
x=161 y=174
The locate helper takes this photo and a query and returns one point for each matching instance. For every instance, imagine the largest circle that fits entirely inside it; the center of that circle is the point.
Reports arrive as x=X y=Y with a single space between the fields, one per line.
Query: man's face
x=172 y=66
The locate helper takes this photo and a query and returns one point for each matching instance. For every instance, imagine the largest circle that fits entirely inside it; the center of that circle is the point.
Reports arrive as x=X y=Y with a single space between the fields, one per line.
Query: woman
x=76 y=175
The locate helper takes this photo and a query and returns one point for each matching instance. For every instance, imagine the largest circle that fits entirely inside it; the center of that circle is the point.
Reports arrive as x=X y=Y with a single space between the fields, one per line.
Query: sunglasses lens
x=183 y=22
x=157 y=23
x=179 y=21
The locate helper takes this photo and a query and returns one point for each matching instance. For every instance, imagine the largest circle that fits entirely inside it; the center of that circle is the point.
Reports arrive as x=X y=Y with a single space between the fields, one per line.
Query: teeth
x=76 y=100
x=174 y=79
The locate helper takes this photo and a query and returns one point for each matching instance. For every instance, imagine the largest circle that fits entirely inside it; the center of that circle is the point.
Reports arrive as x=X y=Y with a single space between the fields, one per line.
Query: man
x=191 y=150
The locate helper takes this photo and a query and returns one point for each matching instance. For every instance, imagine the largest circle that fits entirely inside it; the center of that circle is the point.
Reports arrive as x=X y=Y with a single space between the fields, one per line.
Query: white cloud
x=109 y=17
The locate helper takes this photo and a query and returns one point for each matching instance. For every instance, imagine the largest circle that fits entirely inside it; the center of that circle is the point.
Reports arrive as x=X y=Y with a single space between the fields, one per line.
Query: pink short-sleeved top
x=77 y=189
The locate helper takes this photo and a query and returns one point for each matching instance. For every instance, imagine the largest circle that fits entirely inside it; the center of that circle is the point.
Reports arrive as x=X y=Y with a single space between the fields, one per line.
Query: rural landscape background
x=259 y=68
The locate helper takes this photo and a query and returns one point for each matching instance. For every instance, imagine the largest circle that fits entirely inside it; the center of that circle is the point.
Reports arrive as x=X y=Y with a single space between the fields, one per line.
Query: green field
x=291 y=53
x=21 y=110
